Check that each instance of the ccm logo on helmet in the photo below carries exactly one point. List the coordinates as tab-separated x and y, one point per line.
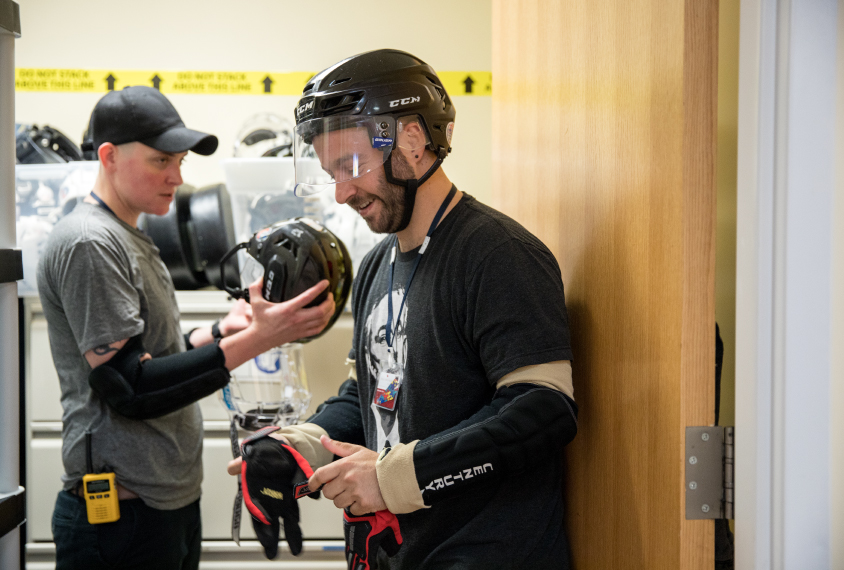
306	107
405	101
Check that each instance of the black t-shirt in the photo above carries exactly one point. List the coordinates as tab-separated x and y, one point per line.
486	299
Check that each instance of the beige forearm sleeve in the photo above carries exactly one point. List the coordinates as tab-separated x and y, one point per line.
305	439
395	470
555	375
397	479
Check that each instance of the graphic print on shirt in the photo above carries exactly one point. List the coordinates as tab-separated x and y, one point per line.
377	361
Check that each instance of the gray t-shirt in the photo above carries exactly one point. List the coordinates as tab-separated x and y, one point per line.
101	281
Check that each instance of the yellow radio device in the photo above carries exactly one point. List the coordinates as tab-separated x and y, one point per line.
100	492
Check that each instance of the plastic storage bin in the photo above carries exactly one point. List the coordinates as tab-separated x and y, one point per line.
261	190
43	194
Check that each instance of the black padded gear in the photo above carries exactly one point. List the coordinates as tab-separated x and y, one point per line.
296	254
524	427
161	385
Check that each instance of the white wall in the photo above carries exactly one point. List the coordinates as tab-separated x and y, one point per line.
253	35
837	385
788	439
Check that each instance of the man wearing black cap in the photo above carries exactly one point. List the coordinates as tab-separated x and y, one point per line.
125	374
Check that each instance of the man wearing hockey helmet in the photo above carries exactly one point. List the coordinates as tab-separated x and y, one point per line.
460	398
125	374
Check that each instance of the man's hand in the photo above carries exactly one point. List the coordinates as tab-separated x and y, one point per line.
351	482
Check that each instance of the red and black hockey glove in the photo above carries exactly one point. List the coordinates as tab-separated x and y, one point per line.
366	534
274	476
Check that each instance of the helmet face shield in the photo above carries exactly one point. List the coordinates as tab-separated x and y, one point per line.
345	146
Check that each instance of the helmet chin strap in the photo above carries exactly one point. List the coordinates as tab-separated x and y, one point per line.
411	185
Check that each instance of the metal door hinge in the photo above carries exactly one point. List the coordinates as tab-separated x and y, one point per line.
709	472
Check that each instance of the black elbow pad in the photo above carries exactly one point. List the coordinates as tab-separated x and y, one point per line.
524	427
159	386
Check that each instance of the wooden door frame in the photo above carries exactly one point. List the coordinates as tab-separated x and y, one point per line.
604	139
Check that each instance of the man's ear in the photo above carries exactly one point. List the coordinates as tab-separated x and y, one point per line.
412	137
107	155
412	143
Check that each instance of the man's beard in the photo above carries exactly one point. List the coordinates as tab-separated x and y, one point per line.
391	197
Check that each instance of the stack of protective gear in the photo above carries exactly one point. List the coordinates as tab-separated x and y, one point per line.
194	235
264	135
45	145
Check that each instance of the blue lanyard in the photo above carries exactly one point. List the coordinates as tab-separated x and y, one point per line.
389	336
103	204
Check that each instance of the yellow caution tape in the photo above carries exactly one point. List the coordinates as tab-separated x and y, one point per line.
457	83
469	83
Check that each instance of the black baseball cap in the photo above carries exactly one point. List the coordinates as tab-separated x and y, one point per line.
142	114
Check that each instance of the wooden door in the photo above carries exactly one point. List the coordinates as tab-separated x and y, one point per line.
604	130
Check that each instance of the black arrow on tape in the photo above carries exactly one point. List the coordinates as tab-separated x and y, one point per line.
110	81
156	81
468	82
268	84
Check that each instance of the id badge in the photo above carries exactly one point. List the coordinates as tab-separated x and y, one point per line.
387	392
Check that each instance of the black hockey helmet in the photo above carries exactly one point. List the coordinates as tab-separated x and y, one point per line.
45	145
295	255
373	96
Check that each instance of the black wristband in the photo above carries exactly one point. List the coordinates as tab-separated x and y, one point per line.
188	344
215	331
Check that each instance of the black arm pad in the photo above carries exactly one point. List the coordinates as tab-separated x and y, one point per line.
524	427
340	415
159	386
